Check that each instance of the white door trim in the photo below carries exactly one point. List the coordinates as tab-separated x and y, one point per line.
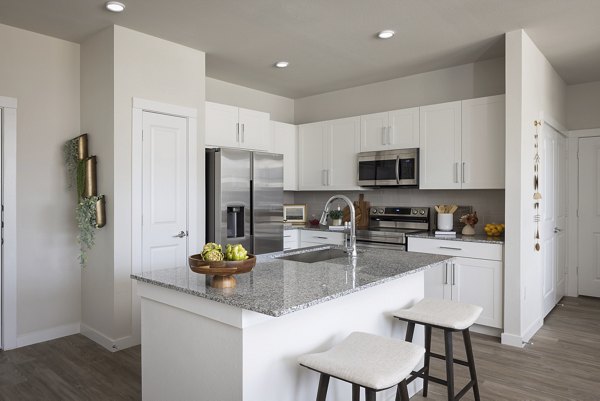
138	108
9	191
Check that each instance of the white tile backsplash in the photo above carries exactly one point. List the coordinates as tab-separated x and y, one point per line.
489	203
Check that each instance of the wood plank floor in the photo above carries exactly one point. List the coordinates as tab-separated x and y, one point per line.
562	364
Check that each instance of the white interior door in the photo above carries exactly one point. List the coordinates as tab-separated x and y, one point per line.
561	218
553	210
547	187
164	191
589	217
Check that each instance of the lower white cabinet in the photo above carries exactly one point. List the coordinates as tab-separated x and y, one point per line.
313	237
291	239
467	279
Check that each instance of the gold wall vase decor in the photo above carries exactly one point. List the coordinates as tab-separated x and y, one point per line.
91	207
537	196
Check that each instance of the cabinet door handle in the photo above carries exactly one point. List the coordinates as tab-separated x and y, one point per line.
237	132
389	133
327	175
463	172
451	248
323	182
287	236
456	172
445	273
383	136
243	129
317	236
453	274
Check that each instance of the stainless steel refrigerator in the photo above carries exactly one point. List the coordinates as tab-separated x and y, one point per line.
244	199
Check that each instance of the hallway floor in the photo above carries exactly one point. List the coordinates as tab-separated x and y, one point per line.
563	363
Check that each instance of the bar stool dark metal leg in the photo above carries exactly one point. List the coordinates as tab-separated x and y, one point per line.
471	360
323	384
370	394
449	364
427	357
355	392
402	391
410	331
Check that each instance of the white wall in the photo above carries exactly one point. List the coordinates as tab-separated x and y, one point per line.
97	119
43	74
154	69
467	81
583	106
533	91
281	108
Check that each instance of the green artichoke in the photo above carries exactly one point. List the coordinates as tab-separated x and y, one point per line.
235	252
214	255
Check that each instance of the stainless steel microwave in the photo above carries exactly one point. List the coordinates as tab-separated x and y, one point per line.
397	168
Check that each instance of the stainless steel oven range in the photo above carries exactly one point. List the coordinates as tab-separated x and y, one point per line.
388	226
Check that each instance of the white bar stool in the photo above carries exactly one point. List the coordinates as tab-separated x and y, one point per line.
449	316
365	360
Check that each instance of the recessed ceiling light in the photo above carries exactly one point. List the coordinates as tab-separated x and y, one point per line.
115	6
386	34
282	64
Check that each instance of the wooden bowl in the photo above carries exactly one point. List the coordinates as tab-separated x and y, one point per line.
223	270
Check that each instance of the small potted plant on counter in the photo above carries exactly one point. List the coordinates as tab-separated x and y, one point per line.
469	220
336	217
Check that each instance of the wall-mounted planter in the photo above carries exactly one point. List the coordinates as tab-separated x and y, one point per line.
101	211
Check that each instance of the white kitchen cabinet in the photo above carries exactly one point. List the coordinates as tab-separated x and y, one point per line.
327	154
291	239
439	154
314	237
285	142
474	276
462	144
312	156
235	127
398	129
483	142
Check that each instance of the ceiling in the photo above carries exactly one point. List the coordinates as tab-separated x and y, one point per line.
331	44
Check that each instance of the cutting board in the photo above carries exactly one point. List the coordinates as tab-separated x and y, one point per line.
361	207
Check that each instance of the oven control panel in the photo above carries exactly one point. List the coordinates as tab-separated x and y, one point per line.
399	211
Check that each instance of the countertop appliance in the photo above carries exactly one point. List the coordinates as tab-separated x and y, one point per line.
244	199
397	168
388	226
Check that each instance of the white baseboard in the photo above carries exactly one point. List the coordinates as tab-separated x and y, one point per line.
531	330
52	333
488	331
512	340
110	344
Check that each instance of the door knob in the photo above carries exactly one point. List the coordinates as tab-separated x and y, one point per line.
180	235
557	230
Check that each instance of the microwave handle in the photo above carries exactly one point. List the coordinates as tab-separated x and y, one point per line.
398	169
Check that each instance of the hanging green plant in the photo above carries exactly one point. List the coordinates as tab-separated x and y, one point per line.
86	222
70	153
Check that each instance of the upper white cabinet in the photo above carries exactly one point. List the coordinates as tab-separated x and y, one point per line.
439	153
285	141
483	142
390	130
327	157
462	144
232	127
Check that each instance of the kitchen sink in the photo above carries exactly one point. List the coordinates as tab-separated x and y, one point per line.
316	256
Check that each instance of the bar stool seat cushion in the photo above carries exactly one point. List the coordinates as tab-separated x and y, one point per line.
442	313
368	360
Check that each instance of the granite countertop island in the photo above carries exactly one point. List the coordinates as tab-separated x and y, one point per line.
276	287
242	344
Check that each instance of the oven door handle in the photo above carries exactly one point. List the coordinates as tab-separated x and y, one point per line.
397	169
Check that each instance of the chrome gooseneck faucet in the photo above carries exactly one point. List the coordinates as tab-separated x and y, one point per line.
323	221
